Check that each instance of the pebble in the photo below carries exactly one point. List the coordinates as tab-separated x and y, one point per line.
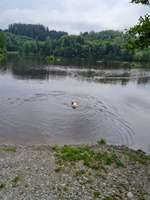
130	195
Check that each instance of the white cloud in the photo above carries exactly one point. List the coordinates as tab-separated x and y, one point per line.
72	15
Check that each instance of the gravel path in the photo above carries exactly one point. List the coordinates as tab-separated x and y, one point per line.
38	173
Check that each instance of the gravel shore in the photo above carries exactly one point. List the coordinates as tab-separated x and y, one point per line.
45	172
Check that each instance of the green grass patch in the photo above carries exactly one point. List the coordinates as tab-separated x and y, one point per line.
102	141
136	156
70	153
15	180
96	194
119	163
92	159
8	148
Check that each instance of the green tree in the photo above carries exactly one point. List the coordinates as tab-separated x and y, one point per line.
2	47
140	33
30	47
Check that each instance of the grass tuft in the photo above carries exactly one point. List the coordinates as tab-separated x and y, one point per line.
102	141
96	194
8	148
15	180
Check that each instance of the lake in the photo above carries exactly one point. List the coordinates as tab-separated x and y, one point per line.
35	104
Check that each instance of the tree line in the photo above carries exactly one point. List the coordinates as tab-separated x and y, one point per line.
35	31
108	44
114	45
30	39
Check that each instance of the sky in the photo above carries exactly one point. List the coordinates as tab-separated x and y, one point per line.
73	16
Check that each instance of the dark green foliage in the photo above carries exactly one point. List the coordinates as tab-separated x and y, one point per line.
104	45
102	141
146	2
143	55
140	33
2	47
35	31
103	35
2	185
23	44
119	163
96	194
2	55
52	59
2	41
55	35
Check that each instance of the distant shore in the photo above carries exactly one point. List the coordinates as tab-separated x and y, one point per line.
74	172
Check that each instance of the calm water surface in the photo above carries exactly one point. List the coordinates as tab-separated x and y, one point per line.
35	105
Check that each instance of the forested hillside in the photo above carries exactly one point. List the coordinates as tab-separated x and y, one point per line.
35	31
36	39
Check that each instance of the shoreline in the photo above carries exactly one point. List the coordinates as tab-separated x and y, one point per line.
53	172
